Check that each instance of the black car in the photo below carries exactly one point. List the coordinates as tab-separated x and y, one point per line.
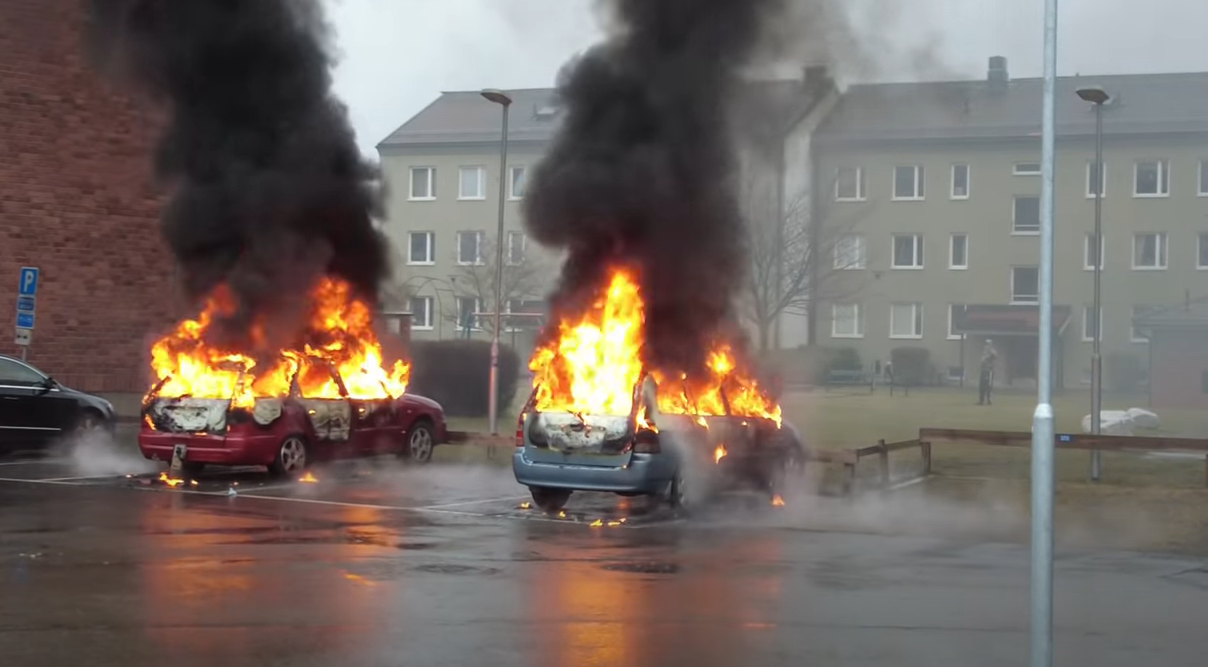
35	409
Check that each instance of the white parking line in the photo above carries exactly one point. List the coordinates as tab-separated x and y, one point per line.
40	481
909	483
33	462
473	502
73	479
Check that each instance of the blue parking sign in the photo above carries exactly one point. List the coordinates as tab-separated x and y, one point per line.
25	320
28	285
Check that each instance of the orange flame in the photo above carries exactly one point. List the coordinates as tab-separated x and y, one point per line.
170	481
777	501
719	453
308	478
339	333
594	363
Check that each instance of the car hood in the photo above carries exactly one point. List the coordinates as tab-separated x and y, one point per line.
422	401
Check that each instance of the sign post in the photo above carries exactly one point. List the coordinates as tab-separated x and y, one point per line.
27	302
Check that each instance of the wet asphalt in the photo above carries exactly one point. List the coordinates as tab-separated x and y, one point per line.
374	564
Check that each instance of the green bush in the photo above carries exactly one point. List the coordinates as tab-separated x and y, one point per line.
456	374
912	366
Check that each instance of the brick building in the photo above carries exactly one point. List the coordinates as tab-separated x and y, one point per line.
76	200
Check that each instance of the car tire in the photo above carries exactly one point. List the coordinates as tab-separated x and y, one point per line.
419	442
293	456
90	421
549	500
677	492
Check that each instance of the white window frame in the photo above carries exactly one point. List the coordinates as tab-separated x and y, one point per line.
859	320
523	169
968	182
859	171
431	196
1016	169
482	183
951	311
1163	252
920	175
1090	165
508	258
481	260
952	265
1086	314
431	238
918	255
1016	301
1086	251
1200	190
1163	178
476	322
861	260
1015	230
429	316
1201	246
1132	328
916	323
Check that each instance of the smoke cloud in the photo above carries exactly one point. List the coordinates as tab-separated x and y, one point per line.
642	171
269	190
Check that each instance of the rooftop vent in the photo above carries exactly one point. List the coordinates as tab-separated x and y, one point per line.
546	111
998	76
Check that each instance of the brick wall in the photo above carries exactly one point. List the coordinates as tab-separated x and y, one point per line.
76	200
1178	363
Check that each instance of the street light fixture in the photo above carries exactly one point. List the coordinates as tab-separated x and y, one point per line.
502	99
1097	96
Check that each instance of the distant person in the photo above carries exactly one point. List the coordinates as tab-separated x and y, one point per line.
985	382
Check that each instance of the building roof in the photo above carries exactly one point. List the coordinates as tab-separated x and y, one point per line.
1141	104
465	117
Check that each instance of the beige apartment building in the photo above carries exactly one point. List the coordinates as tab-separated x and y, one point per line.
932	194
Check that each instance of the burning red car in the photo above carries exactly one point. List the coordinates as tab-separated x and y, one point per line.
327	396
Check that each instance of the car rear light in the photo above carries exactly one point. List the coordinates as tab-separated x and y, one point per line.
646	442
520	430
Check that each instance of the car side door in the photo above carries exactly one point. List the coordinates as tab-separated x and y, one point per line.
33	412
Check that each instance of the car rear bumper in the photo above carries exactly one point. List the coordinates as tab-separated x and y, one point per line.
645	473
232	450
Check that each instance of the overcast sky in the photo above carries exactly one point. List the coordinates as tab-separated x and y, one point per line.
396	56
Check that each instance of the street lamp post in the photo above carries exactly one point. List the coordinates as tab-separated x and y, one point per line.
501	98
1098	97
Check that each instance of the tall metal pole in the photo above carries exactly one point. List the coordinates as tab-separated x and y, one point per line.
493	409
1042	419
1096	353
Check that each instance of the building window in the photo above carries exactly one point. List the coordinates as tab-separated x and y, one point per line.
1026	215
472	183
908	183
421	312
907	251
956	315
849	252
522	314
423	183
958	251
1134	334
846	321
1027	169
1025	284
1089	327
960	181
1203	189
849	184
517	243
469	248
468	308
1201	261
1088	252
517	181
1150	251
906	320
421	248
1091	180
1151	178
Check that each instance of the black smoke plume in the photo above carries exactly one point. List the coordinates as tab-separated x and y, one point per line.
642	171
269	190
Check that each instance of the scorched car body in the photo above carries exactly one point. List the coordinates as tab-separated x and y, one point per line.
286	434
668	457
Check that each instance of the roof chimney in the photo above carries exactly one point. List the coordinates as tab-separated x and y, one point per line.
998	77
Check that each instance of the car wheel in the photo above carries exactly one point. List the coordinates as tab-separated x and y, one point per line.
292	457
420	443
549	500
90	422
677	495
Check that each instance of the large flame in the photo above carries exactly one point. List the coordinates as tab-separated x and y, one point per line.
593	364
339	333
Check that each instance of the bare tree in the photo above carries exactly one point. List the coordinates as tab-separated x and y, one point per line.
811	259
526	276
